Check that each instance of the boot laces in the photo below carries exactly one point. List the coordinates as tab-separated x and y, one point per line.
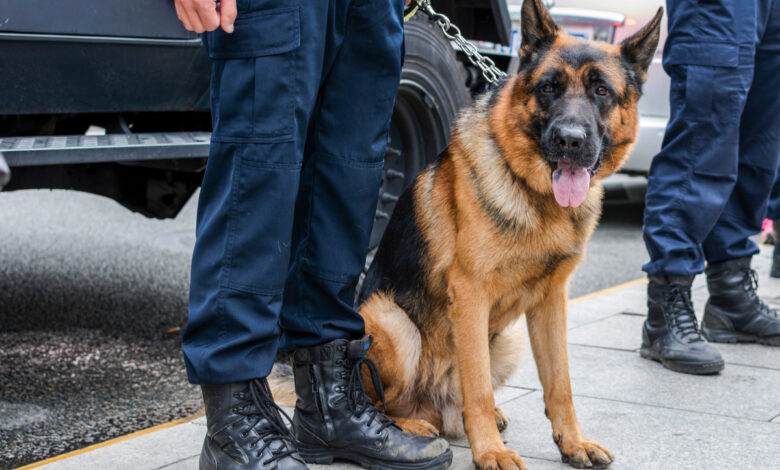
682	313
261	407
358	401
751	287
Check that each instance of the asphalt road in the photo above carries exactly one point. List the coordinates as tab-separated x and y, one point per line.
91	299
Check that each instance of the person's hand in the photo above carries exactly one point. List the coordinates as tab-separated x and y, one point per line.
407	2
205	15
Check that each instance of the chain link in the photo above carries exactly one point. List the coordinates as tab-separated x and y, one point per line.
485	65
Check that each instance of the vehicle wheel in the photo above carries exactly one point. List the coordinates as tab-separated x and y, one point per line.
433	89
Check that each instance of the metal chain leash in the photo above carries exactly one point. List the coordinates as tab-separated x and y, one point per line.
490	71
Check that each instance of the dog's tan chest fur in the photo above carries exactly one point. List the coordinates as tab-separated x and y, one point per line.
515	261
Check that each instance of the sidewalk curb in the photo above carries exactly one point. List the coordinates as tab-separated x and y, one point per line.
110	442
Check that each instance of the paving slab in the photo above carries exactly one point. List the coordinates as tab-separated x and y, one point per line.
642	437
739	391
158	449
647	437
623	332
598	306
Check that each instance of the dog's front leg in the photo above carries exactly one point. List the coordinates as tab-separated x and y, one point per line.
469	314
547	331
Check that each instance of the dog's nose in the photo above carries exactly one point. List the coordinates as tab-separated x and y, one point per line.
570	138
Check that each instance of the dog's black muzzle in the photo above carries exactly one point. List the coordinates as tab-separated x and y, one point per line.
573	142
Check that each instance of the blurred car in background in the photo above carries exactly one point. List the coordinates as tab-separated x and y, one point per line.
111	97
613	21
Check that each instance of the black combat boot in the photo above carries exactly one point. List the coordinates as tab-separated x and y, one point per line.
335	419
246	430
671	335
735	312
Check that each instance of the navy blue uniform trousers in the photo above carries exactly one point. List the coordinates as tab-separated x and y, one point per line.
709	185
302	93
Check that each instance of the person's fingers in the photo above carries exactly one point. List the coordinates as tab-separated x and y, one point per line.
190	10
197	26
190	16
227	14
178	10
207	14
185	20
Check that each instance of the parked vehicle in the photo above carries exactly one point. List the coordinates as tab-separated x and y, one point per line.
111	97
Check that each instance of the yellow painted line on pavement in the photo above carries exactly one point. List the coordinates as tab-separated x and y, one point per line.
111	442
608	290
176	422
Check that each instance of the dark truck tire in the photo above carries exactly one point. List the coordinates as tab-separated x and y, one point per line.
433	90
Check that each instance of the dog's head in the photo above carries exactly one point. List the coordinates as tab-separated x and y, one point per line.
579	100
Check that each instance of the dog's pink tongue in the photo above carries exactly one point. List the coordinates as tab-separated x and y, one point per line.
570	184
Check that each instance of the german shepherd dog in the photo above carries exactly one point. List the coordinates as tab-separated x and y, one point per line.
493	230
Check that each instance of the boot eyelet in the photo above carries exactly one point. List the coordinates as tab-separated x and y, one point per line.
244	434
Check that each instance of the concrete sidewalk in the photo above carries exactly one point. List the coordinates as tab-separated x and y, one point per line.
649	417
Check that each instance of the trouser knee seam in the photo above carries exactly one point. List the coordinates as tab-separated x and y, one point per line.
352	162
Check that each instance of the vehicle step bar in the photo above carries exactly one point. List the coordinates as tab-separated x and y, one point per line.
71	149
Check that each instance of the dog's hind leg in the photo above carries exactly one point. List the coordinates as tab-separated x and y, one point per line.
395	351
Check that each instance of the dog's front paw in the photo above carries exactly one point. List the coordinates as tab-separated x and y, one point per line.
584	454
501	420
499	459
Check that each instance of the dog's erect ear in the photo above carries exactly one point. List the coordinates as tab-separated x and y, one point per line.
639	48
536	27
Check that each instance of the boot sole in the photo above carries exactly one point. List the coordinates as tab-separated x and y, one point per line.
694	368
725	336
327	456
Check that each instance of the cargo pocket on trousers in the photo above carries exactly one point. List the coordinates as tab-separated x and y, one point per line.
706	78
251	89
260	227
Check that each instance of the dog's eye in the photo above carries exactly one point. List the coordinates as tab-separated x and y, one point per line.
547	88
601	90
